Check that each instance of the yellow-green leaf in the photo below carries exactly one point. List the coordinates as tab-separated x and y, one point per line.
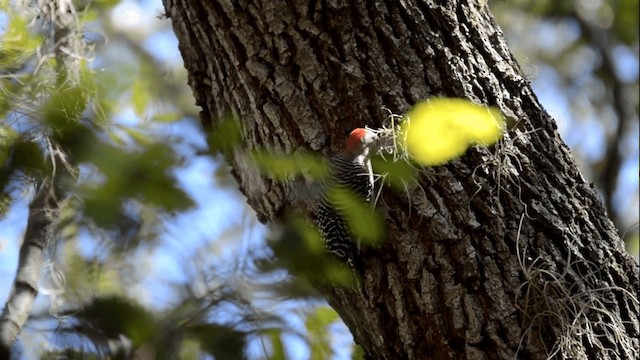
139	97
277	348
167	117
319	339
440	130
398	174
139	136
364	222
17	43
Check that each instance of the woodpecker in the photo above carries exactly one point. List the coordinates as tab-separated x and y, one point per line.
351	171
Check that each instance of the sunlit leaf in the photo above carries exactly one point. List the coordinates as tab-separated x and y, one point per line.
325	316
440	130
87	15
17	43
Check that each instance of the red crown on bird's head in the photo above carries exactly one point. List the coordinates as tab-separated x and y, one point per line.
355	139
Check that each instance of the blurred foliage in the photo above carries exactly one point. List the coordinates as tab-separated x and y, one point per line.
297	244
112	316
397	174
275	337
283	167
364	222
18	43
226	136
219	341
317	325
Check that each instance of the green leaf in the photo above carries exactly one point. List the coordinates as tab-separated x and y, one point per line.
27	156
277	348
286	166
139	97
166	117
63	109
86	277
18	43
225	136
139	136
7	138
318	335
106	4
626	20
365	224
358	353
114	315
144	175
299	248
222	342
398	174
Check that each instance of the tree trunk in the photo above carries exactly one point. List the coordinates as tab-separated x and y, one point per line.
504	253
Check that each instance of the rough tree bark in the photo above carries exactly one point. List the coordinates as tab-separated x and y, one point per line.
506	252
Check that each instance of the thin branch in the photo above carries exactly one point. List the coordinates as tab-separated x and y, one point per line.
25	285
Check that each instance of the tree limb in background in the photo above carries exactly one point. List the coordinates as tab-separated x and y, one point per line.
612	160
